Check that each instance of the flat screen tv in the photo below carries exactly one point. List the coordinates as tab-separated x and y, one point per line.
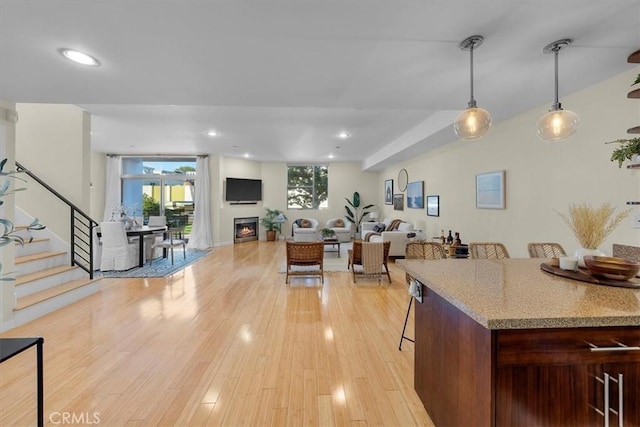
243	190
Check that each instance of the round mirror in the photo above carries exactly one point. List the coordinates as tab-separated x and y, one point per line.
403	179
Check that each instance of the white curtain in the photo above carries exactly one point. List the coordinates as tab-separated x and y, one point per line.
201	233
112	197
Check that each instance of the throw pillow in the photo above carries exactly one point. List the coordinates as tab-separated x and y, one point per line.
305	223
338	223
378	227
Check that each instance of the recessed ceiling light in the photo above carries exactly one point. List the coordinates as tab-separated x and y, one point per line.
212	133
246	155
343	135
79	57
331	156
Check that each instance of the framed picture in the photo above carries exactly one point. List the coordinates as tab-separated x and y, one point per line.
433	205
415	195
388	192
490	190
398	202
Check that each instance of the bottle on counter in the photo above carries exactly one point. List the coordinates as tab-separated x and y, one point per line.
457	240
449	238
443	239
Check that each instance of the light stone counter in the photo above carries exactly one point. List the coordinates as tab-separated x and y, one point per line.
516	294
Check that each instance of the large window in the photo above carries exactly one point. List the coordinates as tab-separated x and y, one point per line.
307	186
159	186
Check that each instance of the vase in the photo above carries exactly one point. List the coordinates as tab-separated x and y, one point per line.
581	252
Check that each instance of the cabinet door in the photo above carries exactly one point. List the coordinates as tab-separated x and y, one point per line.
549	395
629	405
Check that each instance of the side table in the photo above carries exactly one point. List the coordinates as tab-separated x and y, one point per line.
10	347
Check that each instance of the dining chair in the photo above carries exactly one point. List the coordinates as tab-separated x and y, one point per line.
425	251
545	250
370	257
488	250
305	254
156	237
117	252
174	240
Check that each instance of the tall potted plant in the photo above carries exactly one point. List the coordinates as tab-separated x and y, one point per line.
272	222
355	214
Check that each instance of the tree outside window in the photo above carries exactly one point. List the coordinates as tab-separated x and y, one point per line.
307	186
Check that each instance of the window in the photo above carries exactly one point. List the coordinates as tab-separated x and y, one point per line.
307	186
159	186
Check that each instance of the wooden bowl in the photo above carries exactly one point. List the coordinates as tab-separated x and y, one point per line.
611	268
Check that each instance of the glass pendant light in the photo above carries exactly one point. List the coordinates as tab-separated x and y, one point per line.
557	124
473	123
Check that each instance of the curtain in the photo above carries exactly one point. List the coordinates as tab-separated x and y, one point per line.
201	233
112	197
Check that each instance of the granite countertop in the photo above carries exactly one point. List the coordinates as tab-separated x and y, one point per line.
516	294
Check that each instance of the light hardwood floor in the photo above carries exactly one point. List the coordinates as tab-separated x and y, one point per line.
225	342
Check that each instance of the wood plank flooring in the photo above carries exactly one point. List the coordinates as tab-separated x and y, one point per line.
224	342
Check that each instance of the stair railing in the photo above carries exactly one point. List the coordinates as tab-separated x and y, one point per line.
81	228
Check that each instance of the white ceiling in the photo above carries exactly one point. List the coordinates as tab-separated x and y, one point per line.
278	79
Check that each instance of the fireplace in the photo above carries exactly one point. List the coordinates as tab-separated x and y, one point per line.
245	229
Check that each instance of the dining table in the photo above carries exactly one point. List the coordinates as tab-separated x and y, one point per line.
140	232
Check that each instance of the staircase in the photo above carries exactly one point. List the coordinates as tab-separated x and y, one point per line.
45	279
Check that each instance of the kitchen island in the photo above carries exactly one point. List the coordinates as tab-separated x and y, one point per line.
500	342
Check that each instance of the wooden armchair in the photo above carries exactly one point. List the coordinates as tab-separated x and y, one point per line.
305	254
488	250
545	250
358	257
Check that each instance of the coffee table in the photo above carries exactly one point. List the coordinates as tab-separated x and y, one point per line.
333	242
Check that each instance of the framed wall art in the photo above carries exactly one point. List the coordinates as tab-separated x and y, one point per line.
490	190
398	202
433	205
388	192
415	195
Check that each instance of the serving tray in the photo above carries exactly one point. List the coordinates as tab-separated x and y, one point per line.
585	276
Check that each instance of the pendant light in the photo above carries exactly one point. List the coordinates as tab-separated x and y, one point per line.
557	124
473	123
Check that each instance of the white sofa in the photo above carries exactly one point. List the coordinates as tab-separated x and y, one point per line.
343	233
305	234
398	238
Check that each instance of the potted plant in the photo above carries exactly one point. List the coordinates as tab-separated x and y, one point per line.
354	213
628	149
591	226
272	222
327	233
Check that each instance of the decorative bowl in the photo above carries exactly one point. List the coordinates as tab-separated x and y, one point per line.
611	268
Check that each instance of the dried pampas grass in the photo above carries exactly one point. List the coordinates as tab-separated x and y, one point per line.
592	225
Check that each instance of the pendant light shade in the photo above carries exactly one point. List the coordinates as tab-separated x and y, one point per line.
557	124
473	123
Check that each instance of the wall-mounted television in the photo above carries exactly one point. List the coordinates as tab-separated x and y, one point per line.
243	190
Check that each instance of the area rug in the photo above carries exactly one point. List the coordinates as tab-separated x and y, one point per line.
161	266
331	260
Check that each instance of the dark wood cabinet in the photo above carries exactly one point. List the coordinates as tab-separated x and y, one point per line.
466	374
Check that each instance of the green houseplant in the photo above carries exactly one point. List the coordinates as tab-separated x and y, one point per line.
355	214
272	222
627	149
9	234
327	233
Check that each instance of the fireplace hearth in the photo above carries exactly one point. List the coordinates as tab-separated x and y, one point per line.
245	229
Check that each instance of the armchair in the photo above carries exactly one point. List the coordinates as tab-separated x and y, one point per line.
305	230
341	227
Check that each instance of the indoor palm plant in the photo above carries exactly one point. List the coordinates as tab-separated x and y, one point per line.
355	214
591	226
272	222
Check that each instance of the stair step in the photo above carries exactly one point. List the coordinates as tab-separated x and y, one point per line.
38	297
30	277
38	256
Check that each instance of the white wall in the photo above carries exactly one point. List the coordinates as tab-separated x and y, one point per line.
344	179
7	253
53	141
541	177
